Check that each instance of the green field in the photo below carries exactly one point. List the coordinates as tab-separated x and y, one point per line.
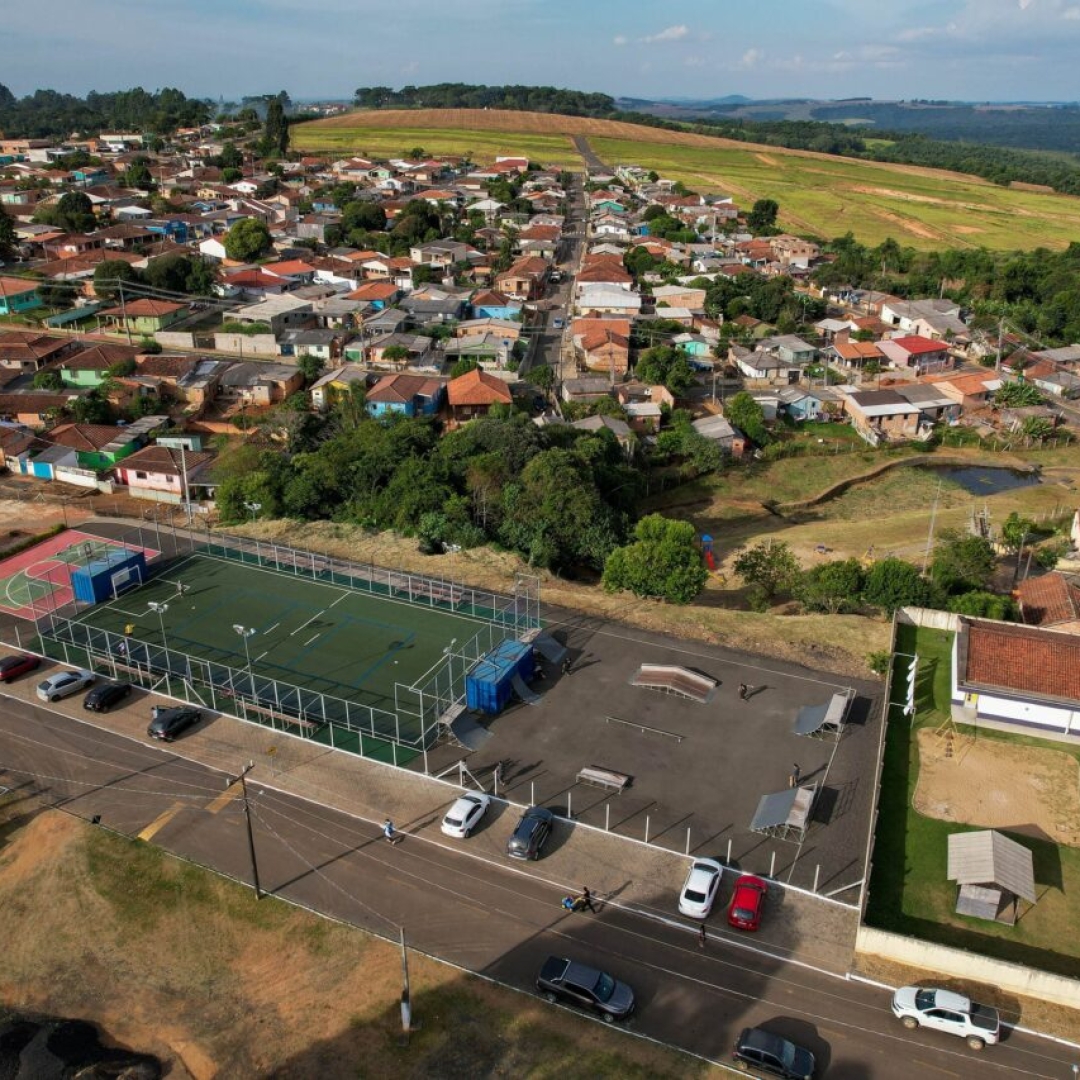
831	196
480	146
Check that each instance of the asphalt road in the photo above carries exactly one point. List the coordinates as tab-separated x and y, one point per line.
493	918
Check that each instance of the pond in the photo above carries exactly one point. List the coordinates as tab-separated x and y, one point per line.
986	479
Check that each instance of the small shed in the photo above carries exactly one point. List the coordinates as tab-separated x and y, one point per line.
993	874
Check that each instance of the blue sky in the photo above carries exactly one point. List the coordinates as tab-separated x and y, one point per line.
969	49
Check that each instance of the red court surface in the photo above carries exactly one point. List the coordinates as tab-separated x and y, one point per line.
38	580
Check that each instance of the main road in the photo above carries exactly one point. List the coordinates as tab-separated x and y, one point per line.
489	917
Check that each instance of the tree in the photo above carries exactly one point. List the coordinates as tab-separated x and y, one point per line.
247	240
396	354
464	366
762	218
543	376
662	562
48	379
138	175
893	583
1015	531
9	241
311	367
833	587
667	366
109	274
74	212
746	414
276	133
768	568
984	605
92	408
962	562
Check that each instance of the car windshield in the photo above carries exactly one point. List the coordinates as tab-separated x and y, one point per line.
743	913
693	895
451	820
604	988
787	1054
924	999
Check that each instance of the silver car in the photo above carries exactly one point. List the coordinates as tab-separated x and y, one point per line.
64	683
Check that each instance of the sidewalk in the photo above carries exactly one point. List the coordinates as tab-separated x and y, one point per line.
632	875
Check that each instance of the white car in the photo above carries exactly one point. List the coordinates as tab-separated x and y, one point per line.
464	815
700	888
64	683
942	1010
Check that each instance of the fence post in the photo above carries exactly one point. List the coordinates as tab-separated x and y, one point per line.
688	840
817	874
772	865
646	828
728	859
569	805
607	817
532	792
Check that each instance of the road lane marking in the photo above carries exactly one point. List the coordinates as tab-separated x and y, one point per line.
227	796
160	822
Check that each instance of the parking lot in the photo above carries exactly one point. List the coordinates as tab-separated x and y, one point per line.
697	770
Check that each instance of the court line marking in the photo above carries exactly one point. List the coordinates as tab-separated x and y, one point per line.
343	596
310	640
270	630
229	795
160	821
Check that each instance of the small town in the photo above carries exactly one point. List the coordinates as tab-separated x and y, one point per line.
485	592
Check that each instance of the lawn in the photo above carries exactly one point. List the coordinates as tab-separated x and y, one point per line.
908	890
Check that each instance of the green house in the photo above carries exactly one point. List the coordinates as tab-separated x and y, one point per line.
18	295
145	317
89	368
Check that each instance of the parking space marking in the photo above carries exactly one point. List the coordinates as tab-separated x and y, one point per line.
160	822
229	795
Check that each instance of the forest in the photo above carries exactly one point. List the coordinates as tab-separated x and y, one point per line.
46	114
544	99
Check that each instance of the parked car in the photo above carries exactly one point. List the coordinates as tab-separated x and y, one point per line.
747	902
700	888
464	815
765	1052
166	724
64	683
104	696
531	833
557	323
11	667
942	1010
587	987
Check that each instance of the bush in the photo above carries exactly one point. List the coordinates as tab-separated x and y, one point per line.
879	662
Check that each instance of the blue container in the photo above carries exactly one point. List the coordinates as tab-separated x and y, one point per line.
104	579
489	686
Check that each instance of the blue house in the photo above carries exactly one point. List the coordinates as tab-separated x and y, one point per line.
698	350
409	395
491	304
170	228
92	174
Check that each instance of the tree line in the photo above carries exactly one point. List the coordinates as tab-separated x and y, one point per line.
546	99
47	113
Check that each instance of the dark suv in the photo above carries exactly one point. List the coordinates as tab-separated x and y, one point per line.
105	695
773	1054
166	724
579	984
531	833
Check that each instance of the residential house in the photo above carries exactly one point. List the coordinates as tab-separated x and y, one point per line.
329	387
293	271
677	296
934	405
193	380
969	391
407	395
260	383
644	417
883	414
602	271
323	344
599	300
524	280
90	367
719	430
429	310
145	317
488	349
379	294
585	390
29	350
853	356
503	328
254	283
905	315
34	408
419	348
604	348
917	355
340	313
1053	379
1050	600
792	252
474	394
279	313
163	473
619	428
790	348
439	254
764	366
491	304
1016	678
101	446
18	295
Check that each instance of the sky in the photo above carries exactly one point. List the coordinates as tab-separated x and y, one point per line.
958	49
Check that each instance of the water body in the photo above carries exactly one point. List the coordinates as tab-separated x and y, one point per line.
986	479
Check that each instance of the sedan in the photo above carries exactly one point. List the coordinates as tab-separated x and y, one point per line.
104	696
11	667
585	986
747	902
168	723
64	683
700	888
531	833
764	1052
464	815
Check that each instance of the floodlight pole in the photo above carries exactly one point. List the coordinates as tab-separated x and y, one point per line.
247	820
160	608
245	632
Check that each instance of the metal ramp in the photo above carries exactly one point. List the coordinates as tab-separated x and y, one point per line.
547	646
460	728
522	690
785	814
817	721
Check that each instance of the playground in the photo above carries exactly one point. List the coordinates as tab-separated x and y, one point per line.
38	580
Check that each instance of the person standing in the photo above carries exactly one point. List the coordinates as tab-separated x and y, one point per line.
744	691
586	899
701	938
390	834
793	779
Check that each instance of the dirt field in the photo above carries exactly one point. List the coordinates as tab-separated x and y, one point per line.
171	960
1000	786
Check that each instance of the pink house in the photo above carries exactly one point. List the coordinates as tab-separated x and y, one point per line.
156	472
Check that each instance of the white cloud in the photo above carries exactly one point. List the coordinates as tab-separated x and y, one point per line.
670	33
619	39
1072	14
751	58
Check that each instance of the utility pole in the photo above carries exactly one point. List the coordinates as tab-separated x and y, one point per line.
123	311
406	1002
247	819
1001	334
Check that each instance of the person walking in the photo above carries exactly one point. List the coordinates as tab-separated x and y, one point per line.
586	899
701	937
793	779
744	691
390	834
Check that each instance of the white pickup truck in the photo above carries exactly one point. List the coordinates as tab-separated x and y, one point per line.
942	1010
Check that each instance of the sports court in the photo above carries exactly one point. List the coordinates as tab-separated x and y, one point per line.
39	579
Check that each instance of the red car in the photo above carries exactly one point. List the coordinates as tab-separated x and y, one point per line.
747	903
11	667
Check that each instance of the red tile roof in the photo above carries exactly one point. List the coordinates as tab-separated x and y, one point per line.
84	436
1020	659
915	345
144	308
402	388
1052	598
165	459
374	290
477	387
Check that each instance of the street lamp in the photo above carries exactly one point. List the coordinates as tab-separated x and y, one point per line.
254	508
245	632
161	608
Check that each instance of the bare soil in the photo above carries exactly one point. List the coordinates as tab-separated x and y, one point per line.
1025	789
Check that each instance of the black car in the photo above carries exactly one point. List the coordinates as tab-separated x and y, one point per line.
764	1052
531	833
11	667
168	723
105	695
578	984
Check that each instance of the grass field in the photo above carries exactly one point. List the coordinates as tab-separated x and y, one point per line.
909	893
818	194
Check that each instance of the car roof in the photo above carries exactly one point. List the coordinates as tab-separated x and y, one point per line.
762	1040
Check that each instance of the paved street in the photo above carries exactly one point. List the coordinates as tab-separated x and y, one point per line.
465	903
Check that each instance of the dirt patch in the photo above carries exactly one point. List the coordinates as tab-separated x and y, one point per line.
767	159
1025	789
